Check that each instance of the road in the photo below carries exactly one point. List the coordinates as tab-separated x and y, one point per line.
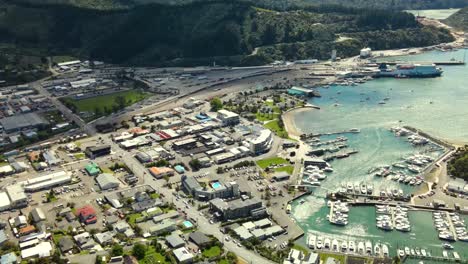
203	223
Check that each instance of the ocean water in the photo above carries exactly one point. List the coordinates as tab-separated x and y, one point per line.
409	104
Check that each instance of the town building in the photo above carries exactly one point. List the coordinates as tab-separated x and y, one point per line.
261	141
160	172
214	189
183	255
107	181
228	118
97	151
23	121
237	208
87	214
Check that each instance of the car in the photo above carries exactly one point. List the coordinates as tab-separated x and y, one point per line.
211	221
227	238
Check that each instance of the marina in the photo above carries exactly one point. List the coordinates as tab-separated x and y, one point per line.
387	160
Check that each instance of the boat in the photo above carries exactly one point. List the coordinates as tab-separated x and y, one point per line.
311	241
363	188
351	247
401	253
407	251
385	250
361	249
368	247
413	253
319	244
327	243
447	246
344	246
423	252
377	249
410	71
418	252
335	245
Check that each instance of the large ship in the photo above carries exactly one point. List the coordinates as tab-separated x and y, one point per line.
410	71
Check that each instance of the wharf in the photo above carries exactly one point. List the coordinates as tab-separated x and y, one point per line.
312	135
339	155
330	215
446	63
452	228
436	258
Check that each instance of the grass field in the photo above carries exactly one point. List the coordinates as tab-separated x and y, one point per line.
267	162
275	127
325	256
212	252
152	256
107	101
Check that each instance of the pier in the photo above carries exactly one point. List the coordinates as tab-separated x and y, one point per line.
312	135
436	258
451	227
445	63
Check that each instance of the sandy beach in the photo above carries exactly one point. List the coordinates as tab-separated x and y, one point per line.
290	125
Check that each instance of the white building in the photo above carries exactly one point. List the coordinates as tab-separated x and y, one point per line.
365	53
41	250
183	255
262	142
228	118
17	195
46	181
4	201
83	83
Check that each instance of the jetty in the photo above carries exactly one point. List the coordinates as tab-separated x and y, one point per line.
445	63
312	135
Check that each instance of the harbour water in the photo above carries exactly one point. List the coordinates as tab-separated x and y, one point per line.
437	106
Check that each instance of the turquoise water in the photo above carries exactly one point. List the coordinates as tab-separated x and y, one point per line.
409	104
188	224
216	185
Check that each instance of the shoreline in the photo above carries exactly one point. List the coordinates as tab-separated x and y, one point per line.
289	123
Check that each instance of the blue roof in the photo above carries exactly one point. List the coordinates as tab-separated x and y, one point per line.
179	168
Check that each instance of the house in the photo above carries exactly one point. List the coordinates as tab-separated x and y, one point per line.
84	241
66	244
87	214
26	230
175	241
183	255
105	238
165	226
160	172
41	250
200	239
121	227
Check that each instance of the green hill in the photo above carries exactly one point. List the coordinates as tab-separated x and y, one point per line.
459	19
199	33
278	4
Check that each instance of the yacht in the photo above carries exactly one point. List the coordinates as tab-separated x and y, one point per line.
385	250
401	253
423	252
447	246
368	247
377	249
363	188
311	241
344	246
418	252
351	246
335	245
412	252
326	244
319	245
407	251
361	249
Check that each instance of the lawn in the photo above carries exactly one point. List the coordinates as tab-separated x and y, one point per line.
268	162
212	252
152	257
266	117
107	101
288	169
59	59
275	127
132	218
79	155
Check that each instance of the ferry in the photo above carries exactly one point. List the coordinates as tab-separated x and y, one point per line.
410	71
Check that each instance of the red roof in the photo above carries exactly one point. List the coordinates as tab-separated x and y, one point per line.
91	220
86	212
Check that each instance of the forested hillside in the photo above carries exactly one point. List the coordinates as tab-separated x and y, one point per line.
459	19
278	4
200	33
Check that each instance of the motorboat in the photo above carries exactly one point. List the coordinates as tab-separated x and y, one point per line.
407	251
351	247
413	253
447	246
361	249
335	245
385	250
319	244
311	241
368	247
377	249
423	252
344	246
401	253
327	243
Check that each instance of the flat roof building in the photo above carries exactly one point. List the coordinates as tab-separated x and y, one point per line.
238	208
97	151
183	255
228	118
23	121
107	181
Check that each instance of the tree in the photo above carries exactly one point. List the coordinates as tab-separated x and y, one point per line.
216	104
117	250
120	102
139	251
195	164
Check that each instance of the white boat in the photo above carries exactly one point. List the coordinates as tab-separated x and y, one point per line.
377	250
319	244
335	245
352	247
401	253
385	250
447	246
368	247
361	249
327	243
344	246
412	252
407	251
423	252
311	241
